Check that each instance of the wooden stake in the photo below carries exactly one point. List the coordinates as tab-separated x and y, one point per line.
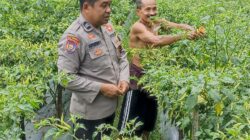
195	123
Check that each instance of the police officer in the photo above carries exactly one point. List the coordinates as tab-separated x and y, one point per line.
90	51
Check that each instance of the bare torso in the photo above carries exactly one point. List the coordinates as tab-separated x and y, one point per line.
136	43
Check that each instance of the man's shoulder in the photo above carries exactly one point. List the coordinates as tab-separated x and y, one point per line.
72	30
138	27
74	27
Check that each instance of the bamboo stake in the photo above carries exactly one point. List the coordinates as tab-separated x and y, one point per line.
195	123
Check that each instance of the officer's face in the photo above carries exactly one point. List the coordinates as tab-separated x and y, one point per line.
100	12
147	10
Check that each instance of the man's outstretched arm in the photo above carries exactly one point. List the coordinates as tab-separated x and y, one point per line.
167	24
158	40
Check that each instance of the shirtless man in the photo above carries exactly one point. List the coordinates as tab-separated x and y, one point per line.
144	34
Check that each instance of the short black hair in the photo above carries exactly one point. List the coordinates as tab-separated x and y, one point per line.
91	2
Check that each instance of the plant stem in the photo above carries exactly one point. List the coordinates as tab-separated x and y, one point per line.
195	123
23	128
215	36
59	101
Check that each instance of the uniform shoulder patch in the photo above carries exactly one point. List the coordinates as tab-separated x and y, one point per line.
91	36
72	43
108	27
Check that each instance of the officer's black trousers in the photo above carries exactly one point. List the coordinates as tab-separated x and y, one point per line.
90	126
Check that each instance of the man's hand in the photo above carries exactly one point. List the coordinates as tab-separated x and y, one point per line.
187	27
195	34
110	90
192	35
123	86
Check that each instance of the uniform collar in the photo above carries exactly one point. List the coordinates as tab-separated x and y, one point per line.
85	24
88	27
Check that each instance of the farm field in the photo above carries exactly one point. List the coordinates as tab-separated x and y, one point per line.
202	86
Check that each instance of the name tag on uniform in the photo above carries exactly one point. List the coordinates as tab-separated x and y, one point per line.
96	49
94	44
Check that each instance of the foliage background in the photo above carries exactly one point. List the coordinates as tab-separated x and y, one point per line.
209	77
